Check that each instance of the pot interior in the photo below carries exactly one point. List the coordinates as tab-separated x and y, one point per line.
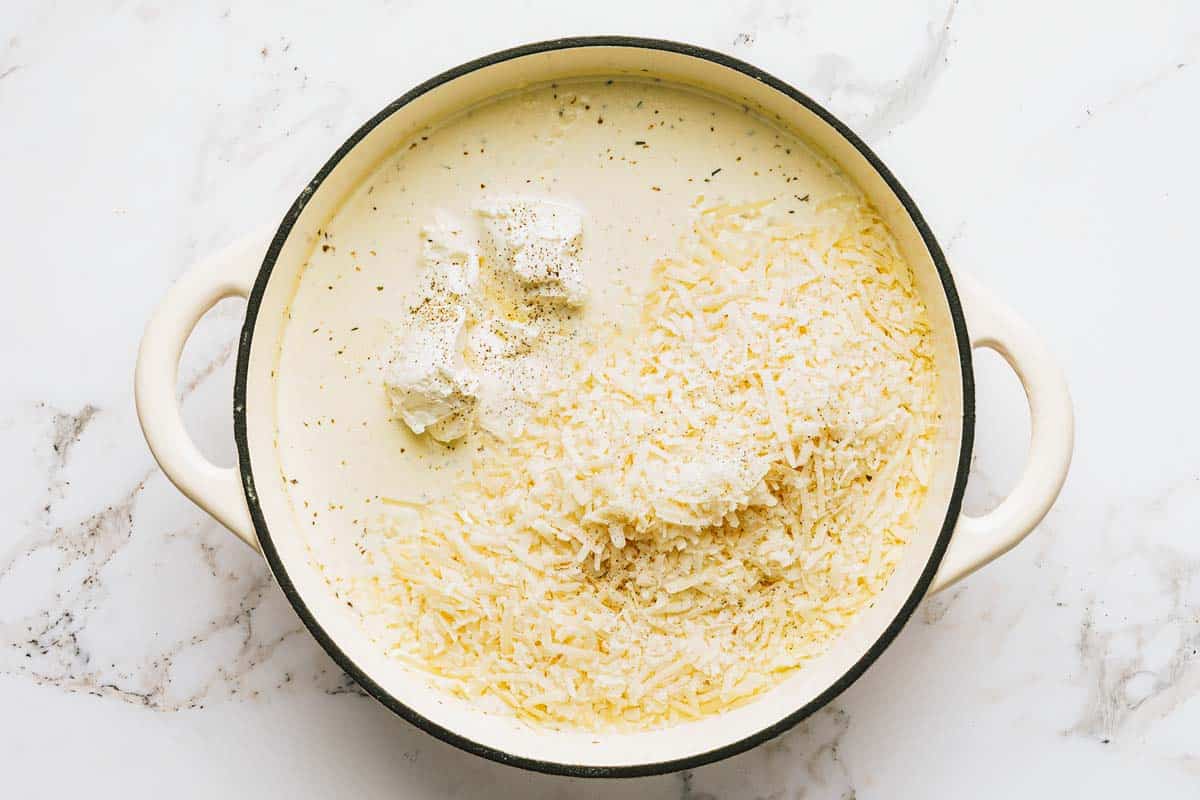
285	531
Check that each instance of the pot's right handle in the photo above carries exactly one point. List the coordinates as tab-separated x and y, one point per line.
979	540
218	490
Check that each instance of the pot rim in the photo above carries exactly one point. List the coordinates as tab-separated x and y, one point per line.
459	740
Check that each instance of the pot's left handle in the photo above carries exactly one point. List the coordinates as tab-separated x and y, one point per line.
218	490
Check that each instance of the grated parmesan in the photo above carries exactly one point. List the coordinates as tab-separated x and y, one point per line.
696	508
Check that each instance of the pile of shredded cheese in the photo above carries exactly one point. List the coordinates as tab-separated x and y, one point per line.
695	508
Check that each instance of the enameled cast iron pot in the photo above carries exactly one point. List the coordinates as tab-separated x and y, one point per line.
250	499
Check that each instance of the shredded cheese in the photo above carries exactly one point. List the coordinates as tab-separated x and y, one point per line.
696	508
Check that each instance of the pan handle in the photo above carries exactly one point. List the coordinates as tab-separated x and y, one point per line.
218	490
979	540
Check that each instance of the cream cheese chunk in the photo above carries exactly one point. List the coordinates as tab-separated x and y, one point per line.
541	242
427	382
450	258
459	361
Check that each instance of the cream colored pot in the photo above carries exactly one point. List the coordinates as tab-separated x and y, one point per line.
251	500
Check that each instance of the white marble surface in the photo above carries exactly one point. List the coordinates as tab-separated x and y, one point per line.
144	651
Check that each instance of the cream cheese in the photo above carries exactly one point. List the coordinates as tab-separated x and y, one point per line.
426	379
450	260
461	358
541	242
427	382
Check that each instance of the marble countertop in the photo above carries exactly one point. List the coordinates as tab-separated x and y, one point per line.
1052	146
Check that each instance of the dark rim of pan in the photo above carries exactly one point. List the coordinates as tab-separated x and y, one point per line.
457	739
